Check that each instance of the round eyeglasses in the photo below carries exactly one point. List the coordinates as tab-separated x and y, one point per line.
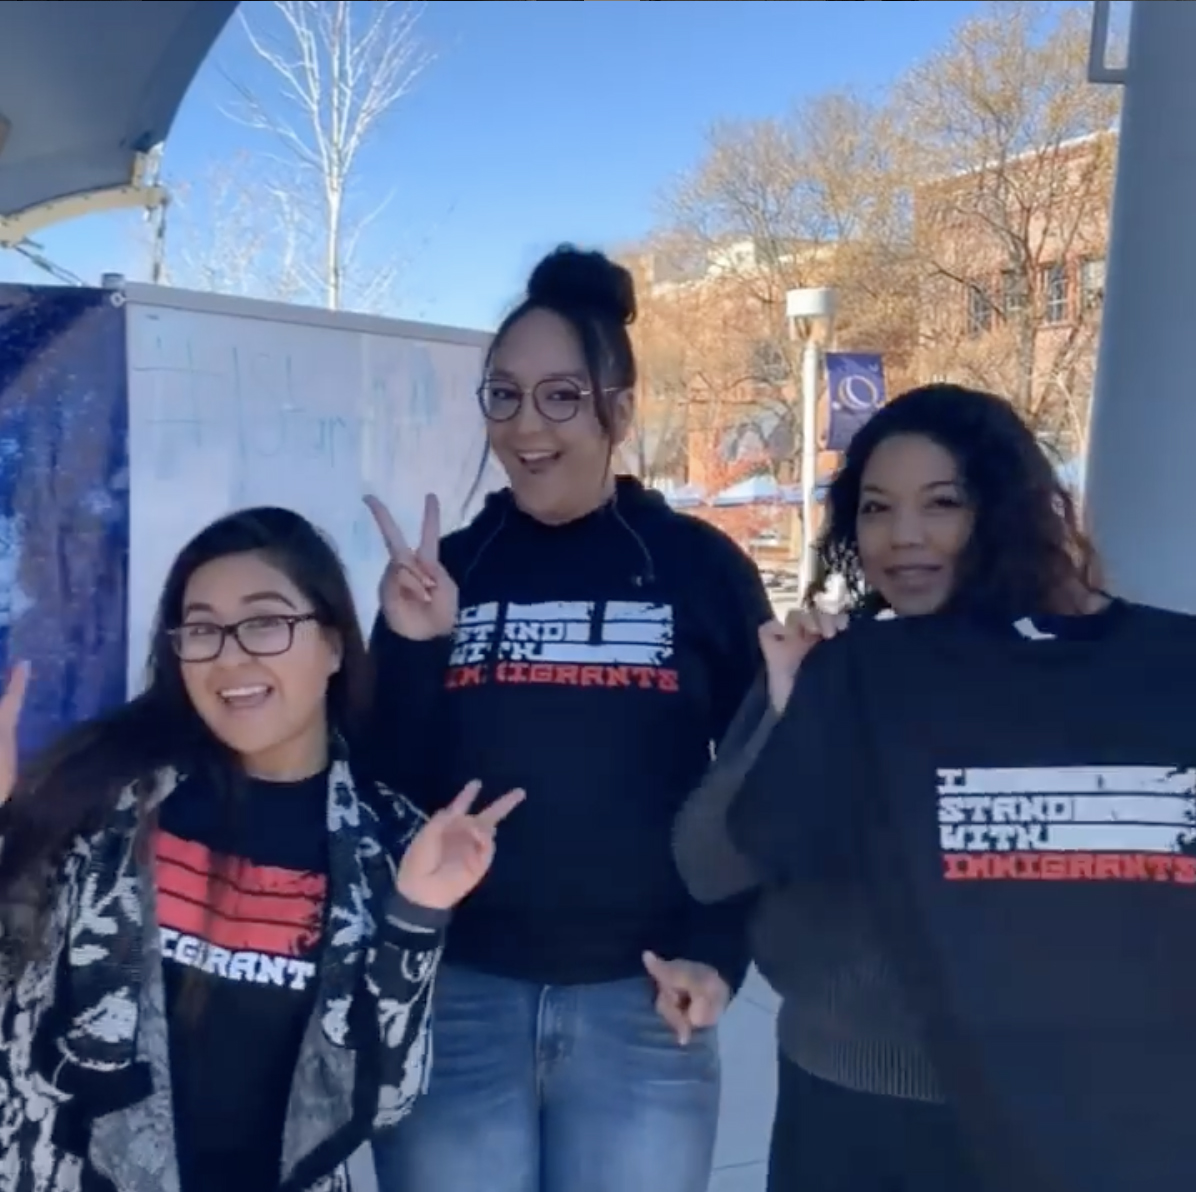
263	636
557	399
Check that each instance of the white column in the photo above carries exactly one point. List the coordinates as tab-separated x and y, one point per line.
810	359
1141	473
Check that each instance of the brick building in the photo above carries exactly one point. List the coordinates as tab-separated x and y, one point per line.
1012	257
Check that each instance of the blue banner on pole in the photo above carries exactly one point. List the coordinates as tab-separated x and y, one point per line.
64	502
856	384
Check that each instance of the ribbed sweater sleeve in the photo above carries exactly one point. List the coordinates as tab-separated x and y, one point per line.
709	863
791	817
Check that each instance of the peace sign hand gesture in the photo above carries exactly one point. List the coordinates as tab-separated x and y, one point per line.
10	714
417	595
452	852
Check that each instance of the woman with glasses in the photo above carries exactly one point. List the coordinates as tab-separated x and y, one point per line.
217	936
586	642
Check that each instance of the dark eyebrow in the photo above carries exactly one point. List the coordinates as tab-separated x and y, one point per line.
268	596
876	489
198	606
578	378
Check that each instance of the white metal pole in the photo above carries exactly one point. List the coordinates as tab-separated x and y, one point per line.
1140	480
810	359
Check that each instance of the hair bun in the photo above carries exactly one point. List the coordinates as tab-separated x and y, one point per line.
572	279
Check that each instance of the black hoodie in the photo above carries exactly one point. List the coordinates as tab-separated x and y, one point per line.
593	665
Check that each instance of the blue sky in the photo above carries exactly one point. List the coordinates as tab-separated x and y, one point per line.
558	122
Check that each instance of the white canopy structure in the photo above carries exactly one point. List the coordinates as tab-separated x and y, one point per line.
87	90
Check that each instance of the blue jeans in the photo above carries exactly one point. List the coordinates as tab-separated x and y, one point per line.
535	1088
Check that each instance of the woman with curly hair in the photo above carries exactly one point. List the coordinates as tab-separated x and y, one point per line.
945	502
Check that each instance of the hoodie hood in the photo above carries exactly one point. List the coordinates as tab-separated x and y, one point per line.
630	502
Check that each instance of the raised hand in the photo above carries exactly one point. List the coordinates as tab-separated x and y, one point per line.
452	852
785	647
417	595
10	714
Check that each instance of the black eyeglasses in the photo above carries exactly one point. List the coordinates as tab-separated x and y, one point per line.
263	636
558	399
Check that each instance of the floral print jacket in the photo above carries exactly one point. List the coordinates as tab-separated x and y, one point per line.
84	1062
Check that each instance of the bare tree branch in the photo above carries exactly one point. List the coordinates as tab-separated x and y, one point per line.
815	199
340	69
1013	156
988	168
231	238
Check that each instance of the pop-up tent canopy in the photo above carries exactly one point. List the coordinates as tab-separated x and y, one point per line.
763	490
86	91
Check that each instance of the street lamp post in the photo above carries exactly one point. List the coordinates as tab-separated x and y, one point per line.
811	306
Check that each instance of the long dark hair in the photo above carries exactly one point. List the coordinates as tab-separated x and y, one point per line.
72	787
1027	553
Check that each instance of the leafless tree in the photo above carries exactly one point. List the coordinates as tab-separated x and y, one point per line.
340	70
234	231
1013	156
961	217
812	199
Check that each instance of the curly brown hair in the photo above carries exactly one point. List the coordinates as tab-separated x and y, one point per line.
1027	553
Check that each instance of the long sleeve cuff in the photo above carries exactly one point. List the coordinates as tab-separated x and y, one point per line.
719	938
409	680
409	670
417	928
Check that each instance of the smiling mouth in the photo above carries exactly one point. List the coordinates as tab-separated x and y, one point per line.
913	574
537	461
244	699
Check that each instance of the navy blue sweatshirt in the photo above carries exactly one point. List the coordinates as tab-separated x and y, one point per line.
593	665
1019	813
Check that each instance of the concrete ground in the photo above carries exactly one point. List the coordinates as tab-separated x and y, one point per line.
749	1087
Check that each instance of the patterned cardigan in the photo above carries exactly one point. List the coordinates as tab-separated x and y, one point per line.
84	1062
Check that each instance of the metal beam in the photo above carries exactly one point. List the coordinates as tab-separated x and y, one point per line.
1141	472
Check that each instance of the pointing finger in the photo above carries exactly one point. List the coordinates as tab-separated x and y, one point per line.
659	970
396	543
465	800
500	809
13	698
429	537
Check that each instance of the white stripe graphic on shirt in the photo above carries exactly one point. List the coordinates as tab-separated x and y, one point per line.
565	632
1063	809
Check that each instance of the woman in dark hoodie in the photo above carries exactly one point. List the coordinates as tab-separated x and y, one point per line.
945	500
585	637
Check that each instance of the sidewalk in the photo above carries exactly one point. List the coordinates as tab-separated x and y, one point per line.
749	1086
749	1089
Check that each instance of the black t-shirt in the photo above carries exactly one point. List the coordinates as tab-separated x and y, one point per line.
1021	809
241	902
